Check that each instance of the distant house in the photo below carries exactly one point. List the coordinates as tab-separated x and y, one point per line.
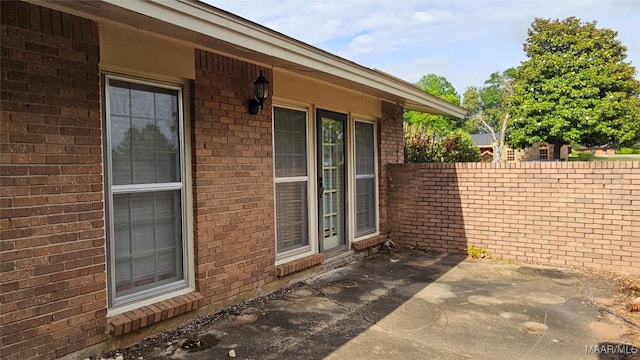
600	150
537	152
485	143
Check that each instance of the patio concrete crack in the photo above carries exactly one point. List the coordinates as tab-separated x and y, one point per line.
356	311
329	298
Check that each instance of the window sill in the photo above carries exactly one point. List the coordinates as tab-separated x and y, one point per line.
298	265
367	243
146	315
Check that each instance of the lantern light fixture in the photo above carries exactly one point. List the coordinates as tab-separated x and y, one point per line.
261	92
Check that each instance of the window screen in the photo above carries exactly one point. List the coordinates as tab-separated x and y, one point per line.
292	180
366	206
146	190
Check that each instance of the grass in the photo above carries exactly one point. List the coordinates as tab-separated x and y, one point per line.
634	157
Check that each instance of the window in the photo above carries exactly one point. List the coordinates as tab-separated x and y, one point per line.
291	179
365	187
144	173
511	155
543	152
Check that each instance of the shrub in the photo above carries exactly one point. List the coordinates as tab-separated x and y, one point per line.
478	253
459	147
585	156
625	151
422	146
637	151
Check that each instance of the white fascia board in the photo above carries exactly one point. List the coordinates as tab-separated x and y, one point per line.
211	22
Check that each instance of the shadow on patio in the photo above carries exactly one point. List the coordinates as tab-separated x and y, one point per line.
414	305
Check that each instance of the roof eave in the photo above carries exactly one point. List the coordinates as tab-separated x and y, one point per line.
253	38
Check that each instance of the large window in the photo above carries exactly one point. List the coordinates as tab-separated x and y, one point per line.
365	170
291	179
146	193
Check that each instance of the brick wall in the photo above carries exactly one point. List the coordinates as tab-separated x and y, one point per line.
52	259
390	151
232	179
584	214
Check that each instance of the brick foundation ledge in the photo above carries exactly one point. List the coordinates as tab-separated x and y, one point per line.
145	316
367	243
300	264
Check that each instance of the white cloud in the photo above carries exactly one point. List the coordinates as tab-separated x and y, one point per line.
463	40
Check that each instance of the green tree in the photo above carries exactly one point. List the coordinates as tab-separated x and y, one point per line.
438	86
488	109
574	87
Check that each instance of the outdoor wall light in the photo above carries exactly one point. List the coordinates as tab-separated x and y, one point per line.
261	92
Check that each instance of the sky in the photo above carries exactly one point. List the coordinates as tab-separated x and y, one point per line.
463	40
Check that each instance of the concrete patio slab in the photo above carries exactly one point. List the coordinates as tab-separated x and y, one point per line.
412	305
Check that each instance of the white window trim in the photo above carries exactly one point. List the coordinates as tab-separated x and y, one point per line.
355	177
312	211
312	200
167	291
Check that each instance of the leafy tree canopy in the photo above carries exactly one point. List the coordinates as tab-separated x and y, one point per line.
442	88
488	102
574	87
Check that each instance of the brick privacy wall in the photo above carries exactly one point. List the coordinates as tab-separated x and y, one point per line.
52	239
390	151
232	181
583	214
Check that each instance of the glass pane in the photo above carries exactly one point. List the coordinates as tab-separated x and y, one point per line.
122	239
166	137
166	106
144	270
327	155
143	207
334	171
364	148
168	166
291	215
143	135
290	142
167	265
365	206
165	233
143	236
144	167
120	134
119	99
142	102
365	179
144	123
148	240
327	204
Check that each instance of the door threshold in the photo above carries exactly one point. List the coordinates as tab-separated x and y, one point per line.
342	251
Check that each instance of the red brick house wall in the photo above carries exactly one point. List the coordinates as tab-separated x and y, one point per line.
52	297
584	214
232	166
391	151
